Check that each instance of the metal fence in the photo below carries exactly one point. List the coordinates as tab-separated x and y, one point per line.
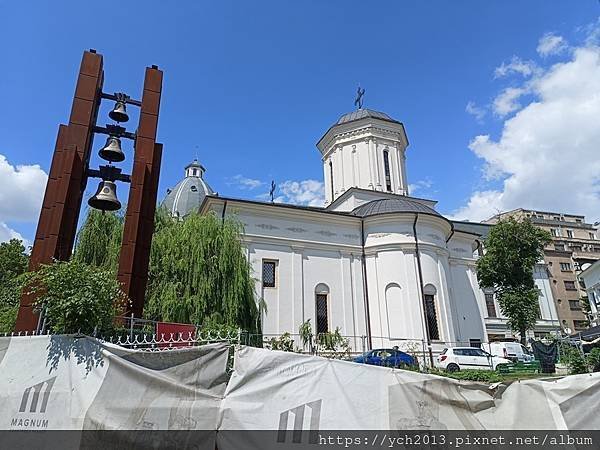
140	335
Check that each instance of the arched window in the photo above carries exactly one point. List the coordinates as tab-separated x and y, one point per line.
386	166
429	292
321	308
396	312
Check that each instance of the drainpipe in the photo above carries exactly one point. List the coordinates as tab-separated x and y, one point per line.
365	288
452	234
223	212
422	291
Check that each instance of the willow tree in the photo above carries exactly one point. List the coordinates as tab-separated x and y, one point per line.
199	273
99	240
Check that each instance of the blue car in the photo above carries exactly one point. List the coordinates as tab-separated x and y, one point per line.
386	357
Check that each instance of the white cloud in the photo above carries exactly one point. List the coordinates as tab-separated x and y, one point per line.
516	65
547	155
21	195
7	233
551	44
419	186
476	111
245	183
306	192
508	101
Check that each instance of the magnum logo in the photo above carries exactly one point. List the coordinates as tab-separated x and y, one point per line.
314	413
34	392
35	400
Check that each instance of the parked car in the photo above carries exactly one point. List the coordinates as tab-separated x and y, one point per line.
457	358
510	350
386	357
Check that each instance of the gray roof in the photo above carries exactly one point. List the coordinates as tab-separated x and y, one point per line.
392	205
364	113
187	195
481	229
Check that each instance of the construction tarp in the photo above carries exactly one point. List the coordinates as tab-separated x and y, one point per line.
272	390
70	383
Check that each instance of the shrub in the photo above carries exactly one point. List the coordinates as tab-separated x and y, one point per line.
573	359
284	343
593	360
486	376
76	297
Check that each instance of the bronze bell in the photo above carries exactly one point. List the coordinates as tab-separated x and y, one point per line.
112	150
119	112
105	198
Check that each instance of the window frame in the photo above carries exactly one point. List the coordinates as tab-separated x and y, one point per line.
577	307
565	267
274	263
387	171
490	302
325	297
431	315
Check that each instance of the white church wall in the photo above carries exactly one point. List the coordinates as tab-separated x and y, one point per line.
394	300
307	252
345	302
434	274
469	318
283	305
468	299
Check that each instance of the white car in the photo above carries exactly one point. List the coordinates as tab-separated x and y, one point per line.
509	350
457	358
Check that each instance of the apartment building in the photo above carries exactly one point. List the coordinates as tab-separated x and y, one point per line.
575	245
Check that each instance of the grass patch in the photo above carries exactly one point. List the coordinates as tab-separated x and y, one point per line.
487	376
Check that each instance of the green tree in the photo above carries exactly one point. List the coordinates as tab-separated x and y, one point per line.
13	264
99	240
76	297
199	273
511	251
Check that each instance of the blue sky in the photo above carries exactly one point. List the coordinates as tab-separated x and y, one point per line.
250	87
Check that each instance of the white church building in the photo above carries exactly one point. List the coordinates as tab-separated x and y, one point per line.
373	261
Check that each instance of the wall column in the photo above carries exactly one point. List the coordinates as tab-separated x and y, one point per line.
372	166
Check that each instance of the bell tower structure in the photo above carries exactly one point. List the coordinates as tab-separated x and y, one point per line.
364	149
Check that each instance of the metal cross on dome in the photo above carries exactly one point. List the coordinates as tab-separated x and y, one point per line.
272	191
358	102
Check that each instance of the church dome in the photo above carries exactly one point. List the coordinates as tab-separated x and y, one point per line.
188	194
392	205
362	114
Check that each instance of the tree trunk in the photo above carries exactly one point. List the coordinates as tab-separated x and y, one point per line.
523	337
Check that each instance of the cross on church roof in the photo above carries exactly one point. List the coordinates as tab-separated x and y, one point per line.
358	101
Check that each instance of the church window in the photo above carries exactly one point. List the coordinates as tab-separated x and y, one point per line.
268	273
386	166
431	313
321	308
322	325
331	176
194	189
489	304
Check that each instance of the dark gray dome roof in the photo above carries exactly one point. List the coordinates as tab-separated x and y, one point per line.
363	113
392	205
188	194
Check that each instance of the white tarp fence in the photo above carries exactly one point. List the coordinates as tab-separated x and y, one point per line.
68	383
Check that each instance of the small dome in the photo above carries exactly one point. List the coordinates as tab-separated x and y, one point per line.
392	205
364	113
189	193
